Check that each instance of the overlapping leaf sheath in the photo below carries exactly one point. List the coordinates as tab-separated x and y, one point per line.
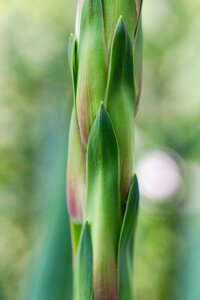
120	101
106	61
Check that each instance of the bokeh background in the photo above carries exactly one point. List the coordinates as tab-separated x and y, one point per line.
35	106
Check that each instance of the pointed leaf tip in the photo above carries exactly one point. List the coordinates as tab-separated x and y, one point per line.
121	22
120	97
126	243
83	268
91	61
72	49
103	202
102	129
102	113
120	29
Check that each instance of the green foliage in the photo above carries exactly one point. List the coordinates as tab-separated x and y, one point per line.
120	97
126	242
72	58
101	141
103	203
92	72
83	268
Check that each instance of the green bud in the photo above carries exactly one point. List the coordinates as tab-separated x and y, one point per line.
92	70
83	268
103	204
106	65
126	244
76	181
120	101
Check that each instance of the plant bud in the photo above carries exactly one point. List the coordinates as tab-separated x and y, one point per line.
106	65
92	70
120	101
103	204
76	169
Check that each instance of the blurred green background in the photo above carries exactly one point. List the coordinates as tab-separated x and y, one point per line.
35	106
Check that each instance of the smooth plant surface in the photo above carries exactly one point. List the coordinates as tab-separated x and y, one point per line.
105	57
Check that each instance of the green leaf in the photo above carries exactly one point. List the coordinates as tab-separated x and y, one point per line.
76	173
120	101
92	70
112	10
75	236
126	244
83	269
72	52
103	204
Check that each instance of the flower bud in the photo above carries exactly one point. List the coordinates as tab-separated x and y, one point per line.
76	181
120	101
106	64
103	204
92	70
